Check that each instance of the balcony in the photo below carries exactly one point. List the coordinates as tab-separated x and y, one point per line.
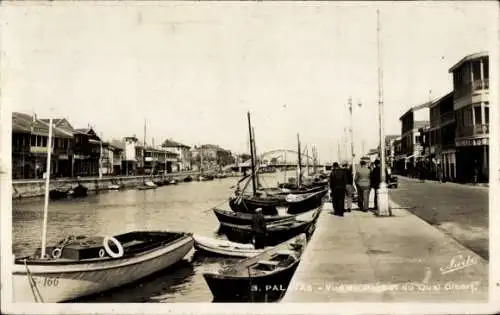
469	88
473	130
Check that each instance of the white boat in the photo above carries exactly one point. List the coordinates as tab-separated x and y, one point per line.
80	266
224	247
114	187
85	266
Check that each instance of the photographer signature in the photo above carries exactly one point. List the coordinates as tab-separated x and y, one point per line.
458	262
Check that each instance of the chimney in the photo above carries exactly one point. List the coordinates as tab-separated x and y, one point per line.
34	117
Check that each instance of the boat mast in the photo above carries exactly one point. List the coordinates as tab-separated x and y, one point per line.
47	183
144	154
307	161
299	181
257	162
252	154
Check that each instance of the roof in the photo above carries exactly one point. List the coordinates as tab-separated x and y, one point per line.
439	100
415	108
25	123
468	58
169	143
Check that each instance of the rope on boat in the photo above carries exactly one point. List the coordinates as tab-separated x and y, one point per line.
34	289
216	206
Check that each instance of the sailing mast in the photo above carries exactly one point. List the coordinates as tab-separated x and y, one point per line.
307	161
144	154
299	161
47	184
252	154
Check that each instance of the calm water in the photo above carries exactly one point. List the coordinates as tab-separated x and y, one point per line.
182	207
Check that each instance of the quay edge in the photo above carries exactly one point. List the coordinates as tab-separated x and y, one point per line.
36	188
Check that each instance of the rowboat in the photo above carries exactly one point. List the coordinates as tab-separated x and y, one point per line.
224	247
114	187
260	278
147	185
81	266
58	193
78	191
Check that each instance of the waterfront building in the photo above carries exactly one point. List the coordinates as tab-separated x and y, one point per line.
214	157
441	135
413	122
29	148
471	108
183	151
129	159
87	152
111	159
160	161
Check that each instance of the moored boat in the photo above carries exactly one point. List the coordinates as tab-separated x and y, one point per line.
79	191
81	266
261	278
147	185
224	247
244	218
277	231
58	193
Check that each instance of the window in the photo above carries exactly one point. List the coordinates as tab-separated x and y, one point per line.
43	141
477	115
476	70
487	114
33	140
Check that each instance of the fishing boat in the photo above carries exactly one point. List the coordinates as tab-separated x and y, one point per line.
294	202
113	186
187	179
261	278
245	218
224	247
79	191
80	266
58	193
277	231
147	185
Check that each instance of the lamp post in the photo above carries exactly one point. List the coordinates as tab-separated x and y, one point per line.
383	192
351	133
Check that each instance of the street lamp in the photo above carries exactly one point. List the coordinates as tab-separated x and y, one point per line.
383	192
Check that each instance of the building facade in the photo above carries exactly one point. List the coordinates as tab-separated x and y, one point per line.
160	161
412	121
29	148
184	160
442	135
87	152
471	109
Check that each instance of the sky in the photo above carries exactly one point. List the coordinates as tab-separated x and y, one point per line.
192	70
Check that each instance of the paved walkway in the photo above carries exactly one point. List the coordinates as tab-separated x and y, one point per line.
365	258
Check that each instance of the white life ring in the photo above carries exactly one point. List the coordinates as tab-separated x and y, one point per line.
108	249
56	253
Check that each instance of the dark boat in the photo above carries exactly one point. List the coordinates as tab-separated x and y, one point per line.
57	193
262	278
244	218
79	191
277	231
220	247
296	203
188	178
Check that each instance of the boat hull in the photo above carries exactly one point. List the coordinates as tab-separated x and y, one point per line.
65	282
243	218
224	248
268	288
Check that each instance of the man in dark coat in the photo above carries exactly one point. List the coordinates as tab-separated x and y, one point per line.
375	181
259	229
338	182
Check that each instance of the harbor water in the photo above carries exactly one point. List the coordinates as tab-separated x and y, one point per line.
183	207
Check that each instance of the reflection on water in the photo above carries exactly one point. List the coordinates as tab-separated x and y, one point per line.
183	207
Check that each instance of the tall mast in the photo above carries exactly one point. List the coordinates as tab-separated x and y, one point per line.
144	151
299	179
257	162
251	154
47	184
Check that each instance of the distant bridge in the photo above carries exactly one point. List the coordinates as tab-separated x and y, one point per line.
279	158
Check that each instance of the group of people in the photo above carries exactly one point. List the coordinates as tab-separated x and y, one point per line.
344	182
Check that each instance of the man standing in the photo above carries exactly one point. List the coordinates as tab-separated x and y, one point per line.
375	182
338	182
259	229
349	188
362	180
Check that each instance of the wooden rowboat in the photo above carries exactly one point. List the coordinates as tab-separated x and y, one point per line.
264	277
81	266
224	247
